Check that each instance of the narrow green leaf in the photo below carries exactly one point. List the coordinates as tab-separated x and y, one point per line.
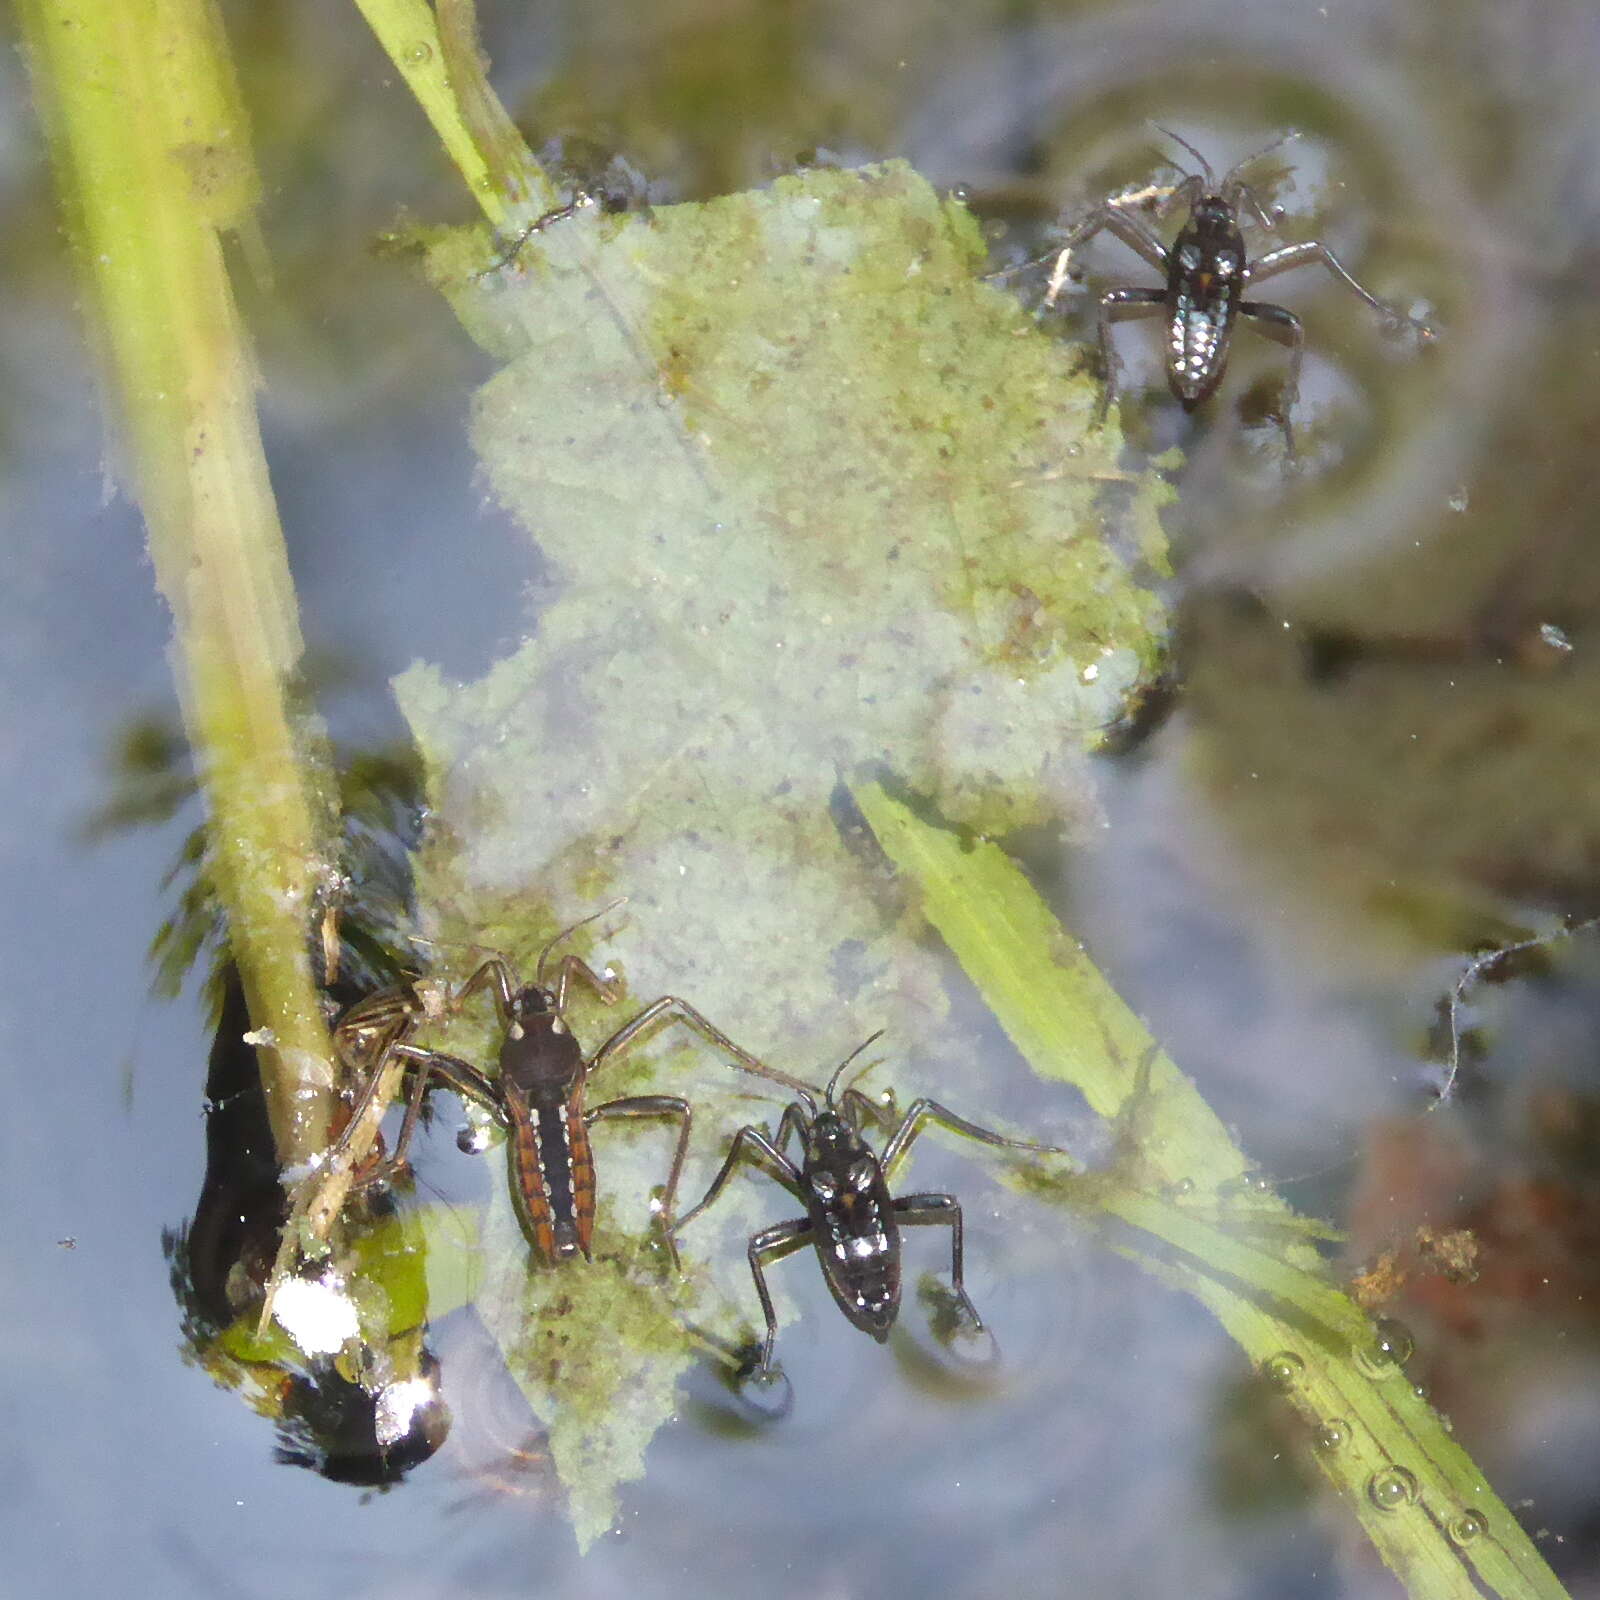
1183	1207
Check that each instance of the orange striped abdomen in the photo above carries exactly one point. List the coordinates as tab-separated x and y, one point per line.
552	1175
582	1176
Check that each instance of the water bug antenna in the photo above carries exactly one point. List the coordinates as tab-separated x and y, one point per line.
838	1071
1265	150
1177	138
567	932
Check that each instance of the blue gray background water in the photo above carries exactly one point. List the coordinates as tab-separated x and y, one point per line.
1381	758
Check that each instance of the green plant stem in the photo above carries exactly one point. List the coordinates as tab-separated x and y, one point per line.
151	149
438	57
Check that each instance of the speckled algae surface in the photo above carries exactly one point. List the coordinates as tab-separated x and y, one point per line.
817	499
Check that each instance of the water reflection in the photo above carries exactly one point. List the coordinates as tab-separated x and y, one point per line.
352	1409
1386	172
356	1405
365	907
1479	1228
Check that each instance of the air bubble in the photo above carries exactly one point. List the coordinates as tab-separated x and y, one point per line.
1467	1527
1459	499
1283	1370
1332	1435
418	54
1390	1349
1181	1190
1247	1185
1393	1489
1394	1342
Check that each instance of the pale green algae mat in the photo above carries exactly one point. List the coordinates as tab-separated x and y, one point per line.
816	499
820	506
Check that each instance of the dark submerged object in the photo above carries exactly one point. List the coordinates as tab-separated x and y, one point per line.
852	1217
538	1092
1208	272
368	1432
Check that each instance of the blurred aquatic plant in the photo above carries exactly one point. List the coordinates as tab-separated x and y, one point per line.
364	897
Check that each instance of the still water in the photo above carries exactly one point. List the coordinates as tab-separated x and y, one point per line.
1384	754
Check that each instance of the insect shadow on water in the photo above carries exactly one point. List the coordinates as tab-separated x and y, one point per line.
538	1093
852	1218
1209	274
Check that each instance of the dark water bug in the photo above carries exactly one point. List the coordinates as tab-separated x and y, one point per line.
853	1219
1210	279
538	1092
